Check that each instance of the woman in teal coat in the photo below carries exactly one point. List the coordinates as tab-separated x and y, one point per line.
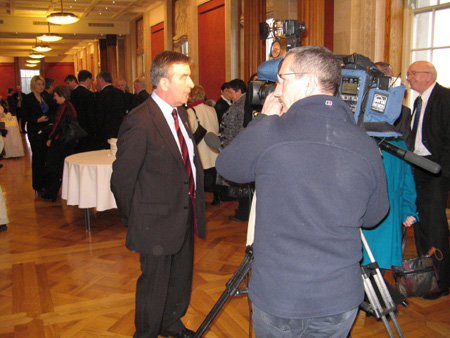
385	240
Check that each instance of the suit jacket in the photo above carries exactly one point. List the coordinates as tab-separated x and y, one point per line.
436	128
31	111
83	101
139	98
109	111
221	107
150	182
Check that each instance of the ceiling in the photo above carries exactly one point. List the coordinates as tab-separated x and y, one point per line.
22	20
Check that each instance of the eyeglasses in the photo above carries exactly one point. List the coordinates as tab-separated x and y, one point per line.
413	73
281	78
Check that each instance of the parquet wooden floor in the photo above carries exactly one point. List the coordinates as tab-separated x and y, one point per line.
56	280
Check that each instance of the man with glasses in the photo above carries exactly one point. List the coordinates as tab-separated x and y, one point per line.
319	178
430	137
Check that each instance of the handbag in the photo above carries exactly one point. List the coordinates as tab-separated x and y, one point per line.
200	132
417	277
73	131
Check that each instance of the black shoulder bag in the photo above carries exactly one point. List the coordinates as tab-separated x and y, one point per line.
200	132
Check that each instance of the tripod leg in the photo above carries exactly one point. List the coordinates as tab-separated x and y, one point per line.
232	289
375	302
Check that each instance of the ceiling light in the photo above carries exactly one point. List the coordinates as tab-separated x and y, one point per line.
35	55
62	18
49	37
33	61
41	48
31	65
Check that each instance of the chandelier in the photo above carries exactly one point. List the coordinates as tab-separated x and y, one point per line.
62	18
35	55
49	37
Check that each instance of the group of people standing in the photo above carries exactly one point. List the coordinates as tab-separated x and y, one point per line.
48	111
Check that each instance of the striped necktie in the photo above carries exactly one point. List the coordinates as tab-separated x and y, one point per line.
187	164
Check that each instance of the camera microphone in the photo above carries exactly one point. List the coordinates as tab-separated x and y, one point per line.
213	141
408	156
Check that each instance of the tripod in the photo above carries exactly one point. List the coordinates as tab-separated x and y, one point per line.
374	306
232	289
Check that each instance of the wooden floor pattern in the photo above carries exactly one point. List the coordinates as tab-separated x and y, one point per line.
56	280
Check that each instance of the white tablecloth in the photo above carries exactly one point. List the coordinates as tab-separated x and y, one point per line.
86	180
13	140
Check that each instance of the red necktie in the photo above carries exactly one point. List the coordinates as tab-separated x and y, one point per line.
187	164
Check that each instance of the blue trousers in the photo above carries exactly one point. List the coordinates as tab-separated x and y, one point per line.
268	326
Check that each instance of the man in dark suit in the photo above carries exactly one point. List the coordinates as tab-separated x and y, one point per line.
109	109
47	95
122	85
82	99
430	137
157	181
224	102
140	93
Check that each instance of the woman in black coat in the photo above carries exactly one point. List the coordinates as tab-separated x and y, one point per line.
58	146
34	113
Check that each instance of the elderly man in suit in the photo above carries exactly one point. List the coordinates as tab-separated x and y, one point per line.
430	138
109	107
140	93
157	181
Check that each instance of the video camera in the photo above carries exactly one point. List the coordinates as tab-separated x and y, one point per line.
375	104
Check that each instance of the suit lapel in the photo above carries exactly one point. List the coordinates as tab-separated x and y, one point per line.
427	113
163	129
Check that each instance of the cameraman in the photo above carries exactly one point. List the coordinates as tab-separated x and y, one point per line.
319	178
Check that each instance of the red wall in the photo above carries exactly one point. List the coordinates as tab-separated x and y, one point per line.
329	24
8	78
58	71
211	47
157	39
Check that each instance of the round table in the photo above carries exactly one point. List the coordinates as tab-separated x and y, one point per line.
86	181
13	140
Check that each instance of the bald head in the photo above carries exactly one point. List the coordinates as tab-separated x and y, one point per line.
421	75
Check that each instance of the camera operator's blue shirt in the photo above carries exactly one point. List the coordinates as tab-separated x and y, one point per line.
319	178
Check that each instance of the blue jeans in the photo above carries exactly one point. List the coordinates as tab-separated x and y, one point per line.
269	326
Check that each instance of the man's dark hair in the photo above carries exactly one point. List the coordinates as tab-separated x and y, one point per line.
237	84
106	76
49	82
225	85
83	75
71	77
10	90
162	64
62	91
318	61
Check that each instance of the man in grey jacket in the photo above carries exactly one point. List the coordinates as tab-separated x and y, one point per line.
319	178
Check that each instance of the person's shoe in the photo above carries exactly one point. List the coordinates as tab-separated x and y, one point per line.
185	333
216	200
3	227
436	295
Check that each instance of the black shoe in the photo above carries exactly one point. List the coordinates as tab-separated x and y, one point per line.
216	200
3	227
436	295
185	333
